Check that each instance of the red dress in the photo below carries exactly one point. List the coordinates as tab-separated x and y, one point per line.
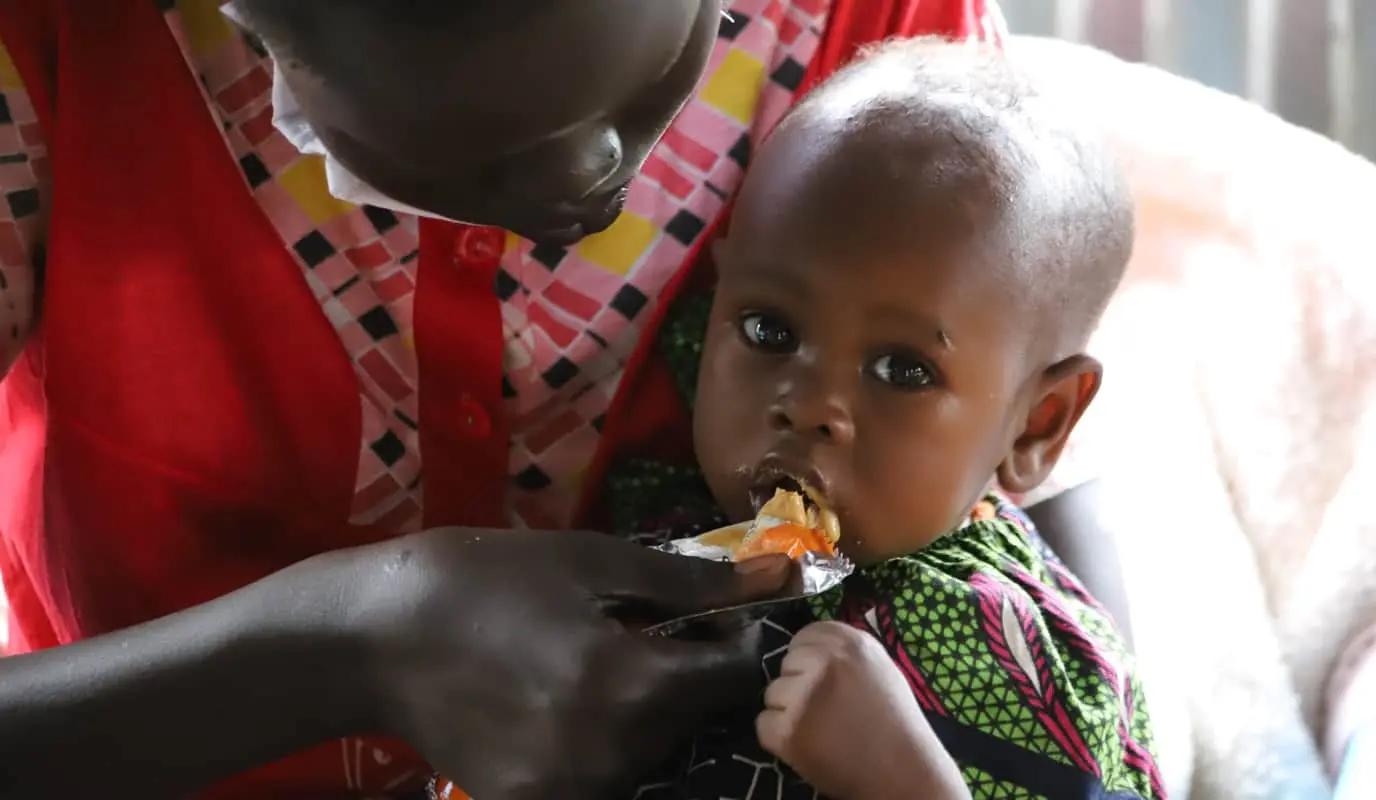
160	448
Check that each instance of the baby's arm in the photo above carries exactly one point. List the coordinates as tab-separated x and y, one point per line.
843	716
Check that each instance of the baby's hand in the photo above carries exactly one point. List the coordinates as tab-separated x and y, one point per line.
844	717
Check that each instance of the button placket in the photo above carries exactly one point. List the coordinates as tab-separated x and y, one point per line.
478	247
474	420
459	344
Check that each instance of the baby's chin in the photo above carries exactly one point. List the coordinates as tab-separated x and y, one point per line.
867	551
864	554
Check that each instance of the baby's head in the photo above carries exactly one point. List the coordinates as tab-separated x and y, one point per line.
916	261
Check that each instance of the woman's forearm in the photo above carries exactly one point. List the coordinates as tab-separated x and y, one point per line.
173	705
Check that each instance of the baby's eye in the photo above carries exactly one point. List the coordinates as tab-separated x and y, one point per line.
768	332
903	372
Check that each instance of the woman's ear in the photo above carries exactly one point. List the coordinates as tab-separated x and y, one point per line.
1066	390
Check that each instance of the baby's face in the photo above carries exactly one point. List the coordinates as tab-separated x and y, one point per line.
862	342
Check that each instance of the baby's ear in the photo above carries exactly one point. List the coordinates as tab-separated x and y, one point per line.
1065	391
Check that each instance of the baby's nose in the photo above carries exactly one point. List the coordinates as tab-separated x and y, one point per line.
814	414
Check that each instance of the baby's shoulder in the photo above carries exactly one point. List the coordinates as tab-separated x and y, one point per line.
997	636
997	569
990	597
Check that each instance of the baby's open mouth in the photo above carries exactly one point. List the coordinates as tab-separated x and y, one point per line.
762	492
784	499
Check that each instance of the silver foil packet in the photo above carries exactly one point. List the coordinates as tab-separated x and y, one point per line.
814	573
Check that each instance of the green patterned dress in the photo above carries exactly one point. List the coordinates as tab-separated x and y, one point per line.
1020	672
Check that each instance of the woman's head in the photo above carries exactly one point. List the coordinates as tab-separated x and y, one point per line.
527	114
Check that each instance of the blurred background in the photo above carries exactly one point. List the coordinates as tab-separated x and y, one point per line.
1313	62
1238	421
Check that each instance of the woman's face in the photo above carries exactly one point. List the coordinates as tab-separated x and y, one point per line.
535	124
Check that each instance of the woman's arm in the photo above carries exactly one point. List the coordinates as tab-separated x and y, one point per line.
165	708
1078	528
410	638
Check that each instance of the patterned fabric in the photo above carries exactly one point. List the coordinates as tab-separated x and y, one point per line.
23	177
583	309
359	262
571	317
1020	672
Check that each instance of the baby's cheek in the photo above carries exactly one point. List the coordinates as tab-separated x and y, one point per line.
901	510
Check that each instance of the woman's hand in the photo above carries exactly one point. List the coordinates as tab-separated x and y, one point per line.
499	656
493	652
844	717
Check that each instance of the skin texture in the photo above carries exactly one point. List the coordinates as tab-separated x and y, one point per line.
413	637
444	115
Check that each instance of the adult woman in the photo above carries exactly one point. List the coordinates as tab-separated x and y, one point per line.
184	421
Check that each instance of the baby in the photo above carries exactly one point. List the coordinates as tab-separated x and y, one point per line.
916	260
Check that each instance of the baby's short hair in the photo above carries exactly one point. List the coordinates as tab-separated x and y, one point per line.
1061	199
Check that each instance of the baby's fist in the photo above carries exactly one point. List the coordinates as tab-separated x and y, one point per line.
844	717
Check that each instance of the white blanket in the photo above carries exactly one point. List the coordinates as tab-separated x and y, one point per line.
1237	424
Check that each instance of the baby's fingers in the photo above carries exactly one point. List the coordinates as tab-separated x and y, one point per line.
774	728
787	692
803	659
785	706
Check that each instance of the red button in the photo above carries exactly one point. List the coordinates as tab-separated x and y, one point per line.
474	421
478	247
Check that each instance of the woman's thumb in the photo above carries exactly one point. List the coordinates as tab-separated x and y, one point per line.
683	585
